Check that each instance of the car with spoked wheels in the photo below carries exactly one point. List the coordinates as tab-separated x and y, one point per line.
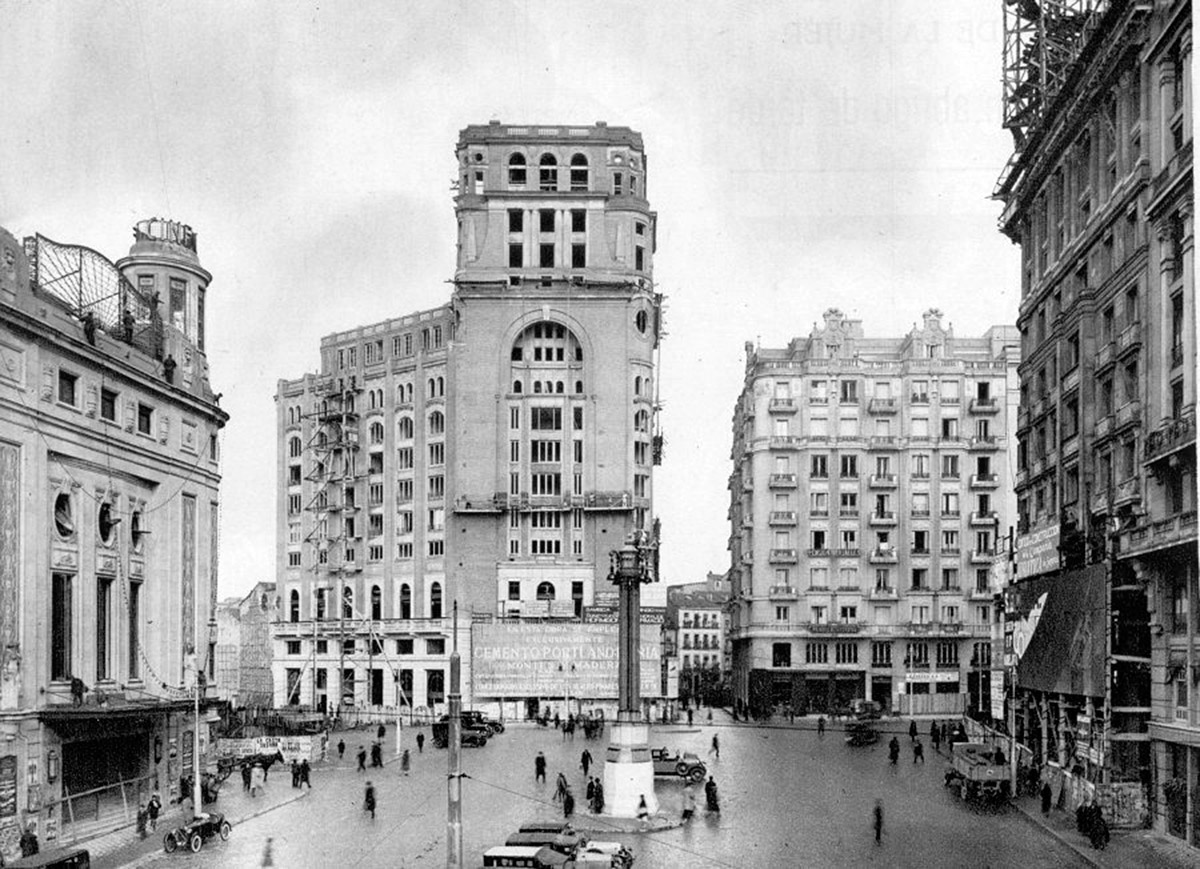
196	832
683	765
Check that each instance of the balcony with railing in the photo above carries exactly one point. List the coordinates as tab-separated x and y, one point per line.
1127	492
882	481
883	556
882	593
782	517
782	481
883	442
983	556
1152	535
781	405
883	517
835	627
881	405
1128	414
844	552
847	512
983	405
1071	379
783	556
983	517
983	442
783	592
985	481
1169	438
1106	354
1130	338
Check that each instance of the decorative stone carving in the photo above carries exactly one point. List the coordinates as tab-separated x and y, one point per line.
12	364
164	428
63	558
47	383
130	415
91	399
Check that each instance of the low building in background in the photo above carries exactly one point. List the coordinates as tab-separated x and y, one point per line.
697	621
109	512
244	651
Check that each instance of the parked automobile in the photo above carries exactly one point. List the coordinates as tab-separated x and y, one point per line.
866	710
685	765
478	719
860	733
979	772
196	832
473	737
56	858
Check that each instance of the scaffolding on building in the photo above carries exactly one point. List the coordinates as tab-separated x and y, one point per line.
1042	41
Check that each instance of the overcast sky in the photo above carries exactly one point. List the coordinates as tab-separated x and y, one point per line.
801	155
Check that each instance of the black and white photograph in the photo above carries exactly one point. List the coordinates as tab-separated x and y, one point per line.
520	433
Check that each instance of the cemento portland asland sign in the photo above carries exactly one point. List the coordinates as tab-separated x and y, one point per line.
557	660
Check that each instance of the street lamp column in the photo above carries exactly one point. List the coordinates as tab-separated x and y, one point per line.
628	768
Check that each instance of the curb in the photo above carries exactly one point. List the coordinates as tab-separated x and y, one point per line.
1059	837
271	808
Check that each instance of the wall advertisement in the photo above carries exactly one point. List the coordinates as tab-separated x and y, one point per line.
558	660
1037	552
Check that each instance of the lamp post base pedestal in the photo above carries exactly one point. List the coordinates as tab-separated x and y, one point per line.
629	770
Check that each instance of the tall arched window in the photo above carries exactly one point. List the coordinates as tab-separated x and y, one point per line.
320	603
441	386
545	591
437	423
548	173
294	606
294	447
376	432
347	602
406	601
641	421
406	428
637	385
516	170
579	172
376	603
435	601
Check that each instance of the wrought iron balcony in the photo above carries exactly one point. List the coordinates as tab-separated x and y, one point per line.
782	481
985	481
1169	438
782	405
881	405
983	405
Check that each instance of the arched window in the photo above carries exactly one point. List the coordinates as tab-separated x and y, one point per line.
429	389
294	606
637	385
320	604
441	386
405	602
579	387
579	172
558	386
347	602
435	601
376	432
294	447
322	439
641	421
516	386
437	423
376	603
537	386
548	173
406	428
545	591
516	170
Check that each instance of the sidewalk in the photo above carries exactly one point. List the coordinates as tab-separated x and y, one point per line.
122	847
1127	847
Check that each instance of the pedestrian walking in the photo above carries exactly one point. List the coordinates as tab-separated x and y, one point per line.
918	752
568	803
689	802
369	800
585	761
1047	795
912	731
295	773
258	779
539	767
710	795
155	806
268	858
590	792
404	762
878	822
381	733
245	776
376	754
710	715
305	773
599	797
716	747
894	750
643	811
420	743
362	759
341	748
143	818
934	735
560	787
946	735
821	725
689	716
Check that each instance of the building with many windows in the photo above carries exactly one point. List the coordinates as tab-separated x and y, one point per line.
870	486
698	618
489	452
244	652
108	525
1099	196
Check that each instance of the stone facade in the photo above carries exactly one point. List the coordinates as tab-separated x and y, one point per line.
868	496
109	474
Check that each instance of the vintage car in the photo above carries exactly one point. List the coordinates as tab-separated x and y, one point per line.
472	737
530	856
56	858
979	772
866	710
860	733
197	831
478	719
685	765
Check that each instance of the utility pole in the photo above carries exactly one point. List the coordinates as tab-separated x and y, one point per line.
454	826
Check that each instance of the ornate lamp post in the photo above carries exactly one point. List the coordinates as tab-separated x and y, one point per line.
628	768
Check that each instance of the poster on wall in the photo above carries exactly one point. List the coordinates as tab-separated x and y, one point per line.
1058	632
8	785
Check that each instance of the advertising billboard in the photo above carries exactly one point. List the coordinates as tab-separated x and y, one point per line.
1058	631
547	659
1038	552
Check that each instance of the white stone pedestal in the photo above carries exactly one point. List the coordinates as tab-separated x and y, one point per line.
629	770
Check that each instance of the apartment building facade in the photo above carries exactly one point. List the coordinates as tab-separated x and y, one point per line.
1099	196
869	489
489	452
109	512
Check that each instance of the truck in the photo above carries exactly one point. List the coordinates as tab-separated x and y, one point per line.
979	772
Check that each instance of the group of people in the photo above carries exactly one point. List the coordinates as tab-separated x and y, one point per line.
147	814
1089	820
300	773
254	778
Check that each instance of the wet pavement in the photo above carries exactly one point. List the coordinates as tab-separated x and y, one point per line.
788	798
